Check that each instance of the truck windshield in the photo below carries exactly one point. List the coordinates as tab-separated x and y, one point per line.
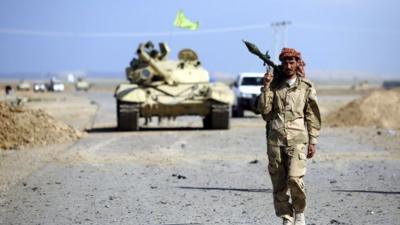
252	81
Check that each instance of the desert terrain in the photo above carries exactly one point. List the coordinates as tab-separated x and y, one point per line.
177	173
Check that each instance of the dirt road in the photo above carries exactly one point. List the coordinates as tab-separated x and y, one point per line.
186	175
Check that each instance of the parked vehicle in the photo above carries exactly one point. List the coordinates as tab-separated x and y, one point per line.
39	87
55	85
24	86
82	85
246	88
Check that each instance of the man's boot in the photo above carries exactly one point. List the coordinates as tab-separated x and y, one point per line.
287	221
300	219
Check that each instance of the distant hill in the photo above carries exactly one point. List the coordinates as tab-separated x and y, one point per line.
349	75
226	77
61	75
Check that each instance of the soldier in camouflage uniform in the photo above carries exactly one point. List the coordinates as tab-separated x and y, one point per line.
289	106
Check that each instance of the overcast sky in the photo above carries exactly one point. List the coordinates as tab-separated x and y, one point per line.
98	35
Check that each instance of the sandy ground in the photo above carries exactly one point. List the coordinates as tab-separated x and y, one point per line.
178	173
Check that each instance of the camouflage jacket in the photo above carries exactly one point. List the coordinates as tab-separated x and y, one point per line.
291	112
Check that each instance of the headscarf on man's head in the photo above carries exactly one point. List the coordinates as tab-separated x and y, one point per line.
291	52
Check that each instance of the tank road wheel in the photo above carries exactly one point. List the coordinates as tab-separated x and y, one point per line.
218	118
127	116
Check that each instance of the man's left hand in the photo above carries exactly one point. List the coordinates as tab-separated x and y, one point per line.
312	148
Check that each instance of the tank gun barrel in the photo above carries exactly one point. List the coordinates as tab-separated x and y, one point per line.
143	55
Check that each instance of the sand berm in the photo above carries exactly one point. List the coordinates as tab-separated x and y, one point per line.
381	109
21	127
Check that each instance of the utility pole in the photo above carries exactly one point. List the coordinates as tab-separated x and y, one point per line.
279	30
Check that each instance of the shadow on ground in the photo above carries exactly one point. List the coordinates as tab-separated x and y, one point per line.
370	192
267	190
145	129
182	224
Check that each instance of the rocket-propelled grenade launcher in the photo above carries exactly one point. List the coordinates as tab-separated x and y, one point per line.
266	58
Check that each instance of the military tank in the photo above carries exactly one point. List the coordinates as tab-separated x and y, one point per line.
82	85
24	86
159	87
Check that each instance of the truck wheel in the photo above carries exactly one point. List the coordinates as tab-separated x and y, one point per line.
237	111
218	118
127	116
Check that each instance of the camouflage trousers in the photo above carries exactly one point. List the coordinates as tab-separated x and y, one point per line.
287	166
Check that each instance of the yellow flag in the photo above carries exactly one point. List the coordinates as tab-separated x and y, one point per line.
182	21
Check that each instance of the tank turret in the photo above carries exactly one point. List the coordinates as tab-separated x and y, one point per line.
152	65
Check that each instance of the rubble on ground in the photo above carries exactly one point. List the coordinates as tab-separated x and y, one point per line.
21	127
380	109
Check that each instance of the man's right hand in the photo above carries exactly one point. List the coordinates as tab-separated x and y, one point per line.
268	77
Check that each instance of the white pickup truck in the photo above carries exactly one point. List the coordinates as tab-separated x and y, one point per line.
246	88
55	85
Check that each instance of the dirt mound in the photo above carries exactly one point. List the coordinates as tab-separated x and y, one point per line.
22	127
380	108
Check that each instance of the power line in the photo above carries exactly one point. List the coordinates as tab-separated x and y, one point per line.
7	31
389	30
44	33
